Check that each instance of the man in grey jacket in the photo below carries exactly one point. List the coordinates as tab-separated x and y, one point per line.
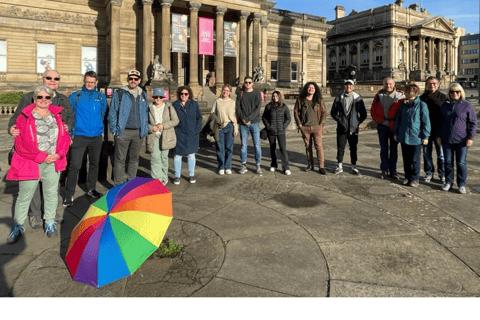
51	79
348	110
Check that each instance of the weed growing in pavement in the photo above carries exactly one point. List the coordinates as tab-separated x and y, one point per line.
170	249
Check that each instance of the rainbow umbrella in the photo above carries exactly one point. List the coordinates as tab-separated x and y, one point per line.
119	232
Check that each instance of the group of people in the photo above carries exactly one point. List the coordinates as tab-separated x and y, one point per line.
50	129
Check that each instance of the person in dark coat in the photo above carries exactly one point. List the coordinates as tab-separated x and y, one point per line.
276	119
187	132
348	110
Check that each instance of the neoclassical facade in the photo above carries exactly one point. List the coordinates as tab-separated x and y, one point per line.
406	43
115	36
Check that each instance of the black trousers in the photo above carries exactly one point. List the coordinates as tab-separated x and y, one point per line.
342	138
94	147
282	143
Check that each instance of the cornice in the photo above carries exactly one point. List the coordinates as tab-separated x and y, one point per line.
46	15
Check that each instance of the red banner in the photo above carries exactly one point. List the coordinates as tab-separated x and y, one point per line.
205	36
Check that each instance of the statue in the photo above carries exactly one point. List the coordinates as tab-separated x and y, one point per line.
159	72
258	74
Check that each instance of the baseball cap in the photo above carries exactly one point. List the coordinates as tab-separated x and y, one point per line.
134	73
158	92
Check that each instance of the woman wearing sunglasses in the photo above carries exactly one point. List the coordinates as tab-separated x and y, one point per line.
40	151
457	128
187	132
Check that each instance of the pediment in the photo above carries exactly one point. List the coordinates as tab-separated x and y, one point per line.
436	23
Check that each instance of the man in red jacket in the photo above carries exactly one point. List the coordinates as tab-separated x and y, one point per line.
382	103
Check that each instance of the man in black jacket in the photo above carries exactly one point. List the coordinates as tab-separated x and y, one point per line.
51	79
434	99
349	111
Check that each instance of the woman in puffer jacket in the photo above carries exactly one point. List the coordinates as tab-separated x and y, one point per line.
276	119
40	153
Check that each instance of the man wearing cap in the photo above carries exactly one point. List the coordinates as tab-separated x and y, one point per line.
382	102
89	106
128	121
348	110
51	79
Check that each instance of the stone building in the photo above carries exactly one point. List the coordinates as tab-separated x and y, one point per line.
115	36
468	56
406	43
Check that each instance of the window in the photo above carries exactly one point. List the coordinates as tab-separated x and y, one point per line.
274	70
89	59
378	52
364	54
353	55
333	58
3	55
343	57
401	52
45	57
294	71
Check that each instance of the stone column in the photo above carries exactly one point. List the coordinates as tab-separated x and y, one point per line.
421	53
147	38
264	42
384	53
359	56
166	44
304	58
115	20
449	55
370	55
243	45
431	50
337	64
391	52
219	46
441	62
257	17
347	58
194	7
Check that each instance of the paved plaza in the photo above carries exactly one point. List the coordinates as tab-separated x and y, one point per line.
304	235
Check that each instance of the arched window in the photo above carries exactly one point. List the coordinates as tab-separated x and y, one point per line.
378	52
401	52
343	57
353	55
364	53
333	58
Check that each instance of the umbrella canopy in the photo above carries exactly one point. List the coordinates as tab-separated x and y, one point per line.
119	232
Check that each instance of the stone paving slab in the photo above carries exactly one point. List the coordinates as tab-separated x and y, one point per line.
414	262
259	261
226	288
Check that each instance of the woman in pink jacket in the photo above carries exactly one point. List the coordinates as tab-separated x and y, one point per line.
40	151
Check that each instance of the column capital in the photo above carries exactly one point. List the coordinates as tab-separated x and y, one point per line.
147	2
194	6
265	23
221	10
166	3
114	2
304	38
244	14
257	16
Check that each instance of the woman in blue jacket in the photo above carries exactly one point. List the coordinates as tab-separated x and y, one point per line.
412	129
457	128
187	132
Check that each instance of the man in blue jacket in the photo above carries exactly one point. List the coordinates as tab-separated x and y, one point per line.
89	107
348	110
128	121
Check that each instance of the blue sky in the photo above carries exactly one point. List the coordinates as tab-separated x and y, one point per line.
465	13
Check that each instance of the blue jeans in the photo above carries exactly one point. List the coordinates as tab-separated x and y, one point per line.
460	151
254	129
411	161
225	147
177	164
388	149
428	166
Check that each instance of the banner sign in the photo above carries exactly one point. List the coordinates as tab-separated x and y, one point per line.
179	32
230	39
205	36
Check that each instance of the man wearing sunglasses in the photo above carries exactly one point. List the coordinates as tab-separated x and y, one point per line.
89	106
128	121
248	106
51	79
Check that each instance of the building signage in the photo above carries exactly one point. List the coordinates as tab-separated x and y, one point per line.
230	39
205	36
179	32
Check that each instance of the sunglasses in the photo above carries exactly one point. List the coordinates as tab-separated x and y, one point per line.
133	79
184	94
249	82
50	78
158	97
46	97
457	92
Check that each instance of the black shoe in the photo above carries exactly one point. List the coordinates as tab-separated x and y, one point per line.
35	222
309	167
394	176
322	171
384	175
94	194
68	201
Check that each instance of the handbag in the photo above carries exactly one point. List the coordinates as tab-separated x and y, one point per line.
263	134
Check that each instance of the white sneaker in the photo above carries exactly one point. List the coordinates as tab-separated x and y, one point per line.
428	178
405	182
228	171
273	169
462	190
446	187
288	172
221	171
